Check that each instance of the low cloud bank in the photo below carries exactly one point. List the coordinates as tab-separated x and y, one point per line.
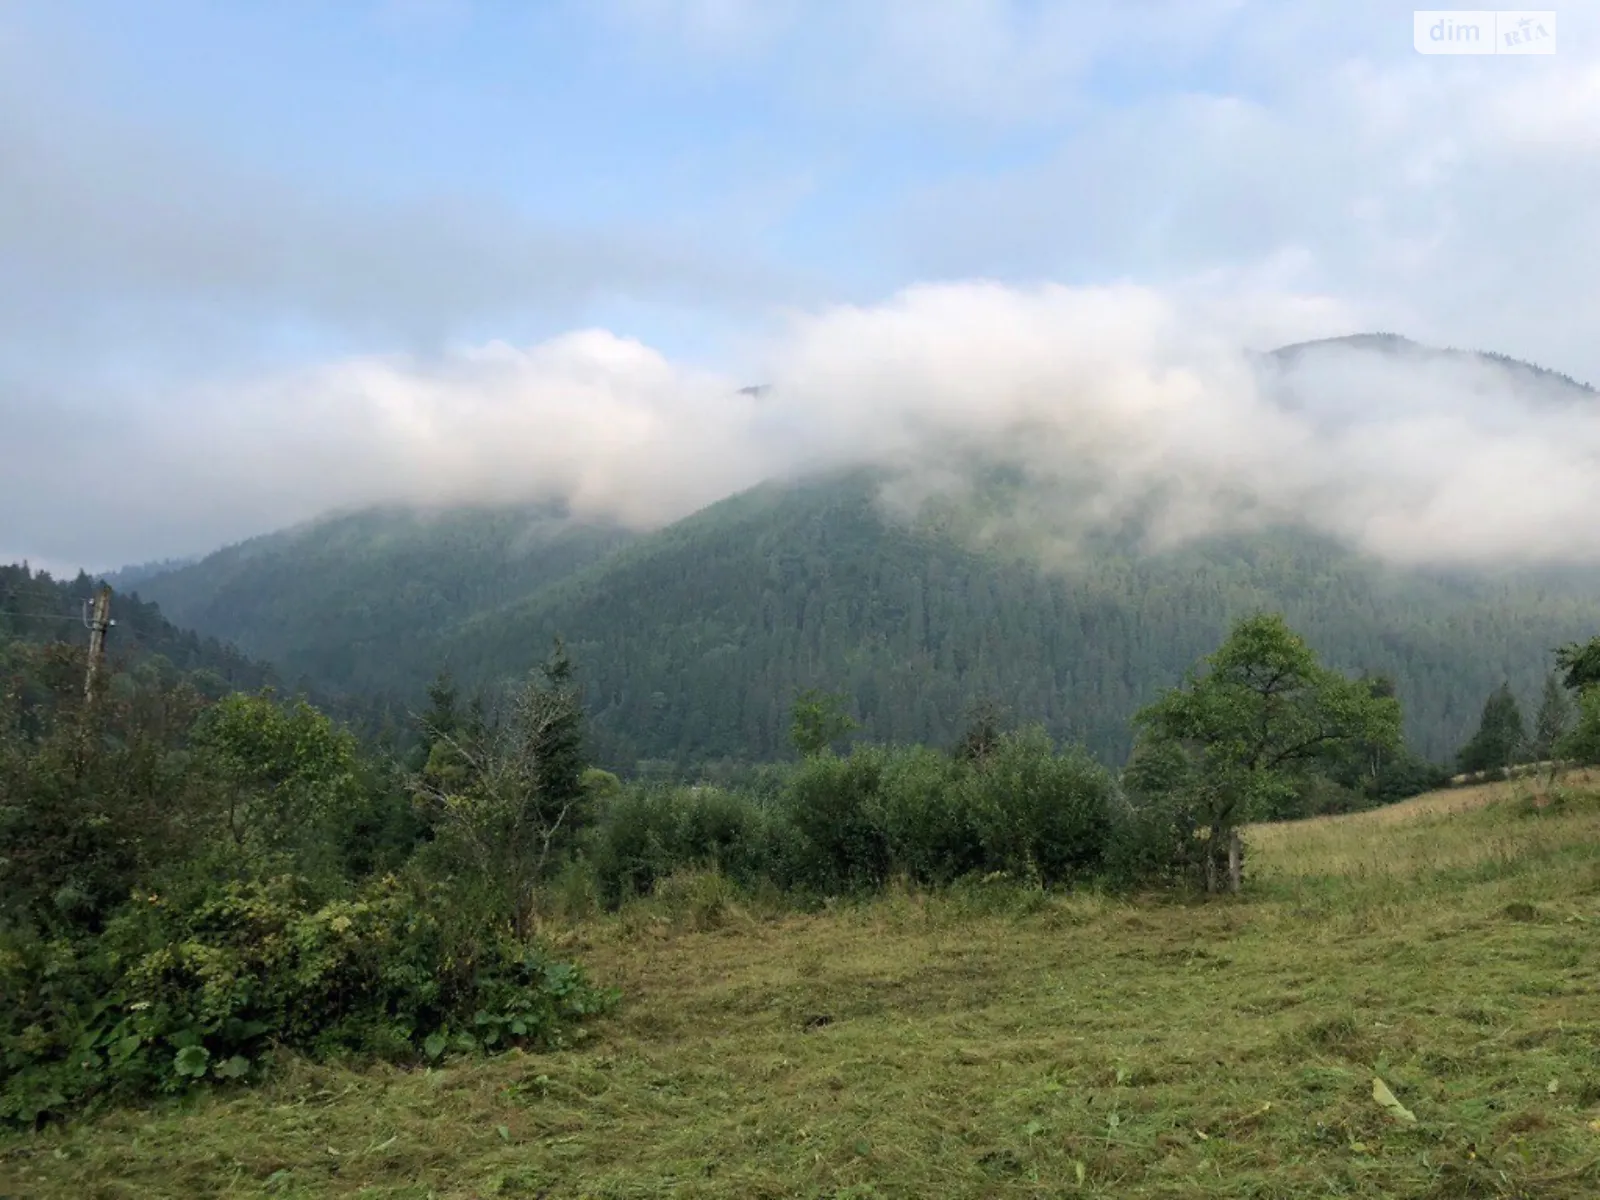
1116	404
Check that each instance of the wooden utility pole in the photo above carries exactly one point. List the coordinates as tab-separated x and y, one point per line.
98	624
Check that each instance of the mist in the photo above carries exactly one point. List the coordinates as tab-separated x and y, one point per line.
1118	407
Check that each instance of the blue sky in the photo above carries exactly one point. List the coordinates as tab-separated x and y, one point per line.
200	201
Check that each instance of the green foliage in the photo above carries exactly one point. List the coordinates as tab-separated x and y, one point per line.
1582	744
1260	717
90	801
1365	773
819	720
1501	740
924	807
206	980
834	805
599	786
648	833
1581	662
1553	721
848	825
518	803
983	731
1039	814
184	887
550	721
288	775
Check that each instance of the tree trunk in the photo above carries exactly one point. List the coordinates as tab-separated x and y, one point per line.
1235	862
1211	868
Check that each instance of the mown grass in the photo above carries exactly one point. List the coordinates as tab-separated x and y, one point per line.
996	1042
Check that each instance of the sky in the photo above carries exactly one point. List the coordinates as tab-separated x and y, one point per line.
262	260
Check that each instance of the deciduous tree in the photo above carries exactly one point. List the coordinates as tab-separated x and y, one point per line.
1253	720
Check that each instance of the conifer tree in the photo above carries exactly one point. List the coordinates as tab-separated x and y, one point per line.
1501	739
1553	721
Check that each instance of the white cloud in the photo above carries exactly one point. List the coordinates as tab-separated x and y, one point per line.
1119	402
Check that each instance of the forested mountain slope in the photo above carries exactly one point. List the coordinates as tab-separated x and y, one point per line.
692	642
354	604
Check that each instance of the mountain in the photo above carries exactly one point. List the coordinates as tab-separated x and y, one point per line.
1524	376
692	640
37	609
125	579
356	603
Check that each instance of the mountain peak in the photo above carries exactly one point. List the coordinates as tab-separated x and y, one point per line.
1395	345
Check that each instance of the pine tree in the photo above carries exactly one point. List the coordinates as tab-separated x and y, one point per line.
551	715
1501	738
983	731
1553	721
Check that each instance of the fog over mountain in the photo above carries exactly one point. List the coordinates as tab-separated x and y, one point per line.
1117	405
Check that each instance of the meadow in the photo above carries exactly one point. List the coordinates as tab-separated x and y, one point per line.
991	1040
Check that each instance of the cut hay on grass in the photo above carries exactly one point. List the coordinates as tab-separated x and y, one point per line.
995	1042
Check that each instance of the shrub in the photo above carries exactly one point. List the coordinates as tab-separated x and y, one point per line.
1157	838
835	807
1039	814
1156	826
89	803
926	817
646	833
1582	744
192	987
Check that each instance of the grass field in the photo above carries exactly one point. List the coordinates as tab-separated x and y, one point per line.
995	1042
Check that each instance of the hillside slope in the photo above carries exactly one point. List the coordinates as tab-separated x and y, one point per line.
354	604
691	642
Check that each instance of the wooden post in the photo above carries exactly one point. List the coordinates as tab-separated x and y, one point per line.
98	624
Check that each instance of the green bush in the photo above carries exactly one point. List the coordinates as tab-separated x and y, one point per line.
91	803
835	807
1156	839
646	833
1039	814
189	987
1582	744
926	816
1155	830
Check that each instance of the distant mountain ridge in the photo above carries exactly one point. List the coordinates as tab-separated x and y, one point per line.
692	639
1398	345
125	579
332	601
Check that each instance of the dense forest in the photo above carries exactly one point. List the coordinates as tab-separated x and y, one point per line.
694	639
355	605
